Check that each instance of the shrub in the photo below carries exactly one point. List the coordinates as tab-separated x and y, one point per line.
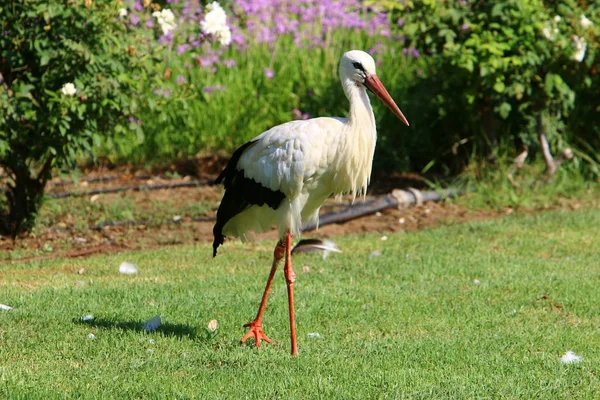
64	82
500	69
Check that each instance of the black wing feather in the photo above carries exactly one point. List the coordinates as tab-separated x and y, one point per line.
240	193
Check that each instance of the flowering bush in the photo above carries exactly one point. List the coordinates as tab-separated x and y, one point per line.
223	75
505	67
63	82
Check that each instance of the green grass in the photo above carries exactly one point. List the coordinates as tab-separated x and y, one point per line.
488	187
410	323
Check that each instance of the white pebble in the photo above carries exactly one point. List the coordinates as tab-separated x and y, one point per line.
127	268
374	254
314	335
5	307
212	326
570	358
87	318
91	336
476	281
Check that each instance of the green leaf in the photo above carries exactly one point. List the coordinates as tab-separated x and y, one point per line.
499	86
504	110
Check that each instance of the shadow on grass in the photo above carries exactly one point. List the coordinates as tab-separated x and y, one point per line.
167	329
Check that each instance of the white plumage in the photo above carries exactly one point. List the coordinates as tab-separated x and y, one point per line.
283	176
311	160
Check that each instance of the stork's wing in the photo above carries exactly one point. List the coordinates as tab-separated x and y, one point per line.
273	166
286	156
240	193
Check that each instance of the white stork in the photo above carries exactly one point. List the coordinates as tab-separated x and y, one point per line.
283	176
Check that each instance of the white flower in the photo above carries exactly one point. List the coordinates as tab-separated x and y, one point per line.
168	16
570	357
122	12
557	19
214	6
224	36
167	27
215	23
580	47
550	32
585	22
166	20
68	89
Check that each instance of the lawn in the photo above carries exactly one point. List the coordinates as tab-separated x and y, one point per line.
474	310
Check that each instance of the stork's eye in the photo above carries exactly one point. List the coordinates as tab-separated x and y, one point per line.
358	65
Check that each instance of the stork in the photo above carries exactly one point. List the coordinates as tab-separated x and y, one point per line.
284	175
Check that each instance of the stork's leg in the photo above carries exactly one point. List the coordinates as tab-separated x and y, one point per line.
290	278
256	325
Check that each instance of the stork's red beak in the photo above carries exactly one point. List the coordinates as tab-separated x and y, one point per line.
374	85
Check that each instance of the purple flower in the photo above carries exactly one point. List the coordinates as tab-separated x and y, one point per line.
411	51
134	19
229	63
464	27
269	73
182	48
309	22
376	49
180	79
138	5
400	22
299	114
162	92
212	89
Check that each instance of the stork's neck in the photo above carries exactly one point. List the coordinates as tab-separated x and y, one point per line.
357	144
361	116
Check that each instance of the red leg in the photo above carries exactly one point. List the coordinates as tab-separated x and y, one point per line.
290	278
256	325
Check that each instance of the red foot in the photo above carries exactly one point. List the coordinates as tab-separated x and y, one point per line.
256	332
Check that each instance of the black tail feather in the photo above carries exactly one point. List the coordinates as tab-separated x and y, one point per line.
240	193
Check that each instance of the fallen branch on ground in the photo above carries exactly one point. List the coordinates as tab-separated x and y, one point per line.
398	198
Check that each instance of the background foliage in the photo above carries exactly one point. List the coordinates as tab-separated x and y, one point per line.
65	86
154	83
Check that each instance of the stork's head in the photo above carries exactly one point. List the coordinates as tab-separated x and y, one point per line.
359	68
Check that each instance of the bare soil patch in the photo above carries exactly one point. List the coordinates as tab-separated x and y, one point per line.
181	215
